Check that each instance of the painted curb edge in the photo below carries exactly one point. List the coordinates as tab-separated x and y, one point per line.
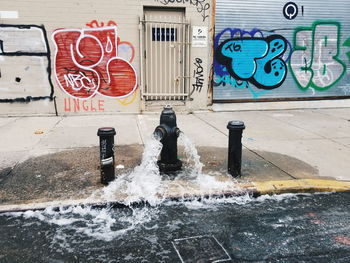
256	188
300	186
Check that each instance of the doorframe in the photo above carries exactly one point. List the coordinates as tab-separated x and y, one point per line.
187	54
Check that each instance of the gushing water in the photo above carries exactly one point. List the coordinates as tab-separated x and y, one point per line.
193	170
143	184
194	165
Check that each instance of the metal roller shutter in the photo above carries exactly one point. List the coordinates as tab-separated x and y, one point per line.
272	50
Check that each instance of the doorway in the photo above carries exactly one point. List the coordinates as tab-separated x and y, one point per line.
165	54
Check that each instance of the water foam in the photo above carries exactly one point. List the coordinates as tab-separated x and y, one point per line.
100	224
142	184
206	182
145	184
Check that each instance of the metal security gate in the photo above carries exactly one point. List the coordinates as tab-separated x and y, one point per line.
165	58
314	62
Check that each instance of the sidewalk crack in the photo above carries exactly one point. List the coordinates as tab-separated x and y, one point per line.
210	124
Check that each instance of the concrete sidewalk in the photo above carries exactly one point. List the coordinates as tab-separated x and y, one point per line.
280	147
321	138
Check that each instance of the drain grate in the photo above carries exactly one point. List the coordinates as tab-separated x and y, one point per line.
203	249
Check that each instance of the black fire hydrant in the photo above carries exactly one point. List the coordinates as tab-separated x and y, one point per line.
168	132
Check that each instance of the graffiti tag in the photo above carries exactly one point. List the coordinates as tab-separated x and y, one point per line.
86	63
80	81
201	6
78	105
315	62
255	59
290	10
198	75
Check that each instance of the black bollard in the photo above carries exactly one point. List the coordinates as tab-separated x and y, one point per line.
106	135
168	132
235	147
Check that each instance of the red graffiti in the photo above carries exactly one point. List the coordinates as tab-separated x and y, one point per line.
123	46
86	63
94	23
77	105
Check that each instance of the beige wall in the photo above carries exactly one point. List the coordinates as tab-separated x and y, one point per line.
76	88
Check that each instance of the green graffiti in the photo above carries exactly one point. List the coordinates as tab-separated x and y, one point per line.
314	62
347	44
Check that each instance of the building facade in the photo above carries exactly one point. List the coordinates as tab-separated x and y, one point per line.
108	56
113	56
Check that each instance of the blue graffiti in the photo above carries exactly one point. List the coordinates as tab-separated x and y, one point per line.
232	33
239	84
254	59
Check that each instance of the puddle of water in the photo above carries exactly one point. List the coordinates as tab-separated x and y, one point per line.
285	228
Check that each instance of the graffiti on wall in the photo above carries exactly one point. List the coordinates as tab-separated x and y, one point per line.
315	61
198	76
290	10
78	105
347	44
125	50
247	57
314	58
87	62
201	6
25	66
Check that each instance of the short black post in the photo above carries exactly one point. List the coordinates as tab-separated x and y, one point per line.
235	147
106	135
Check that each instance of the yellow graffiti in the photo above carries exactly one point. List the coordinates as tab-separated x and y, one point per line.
128	100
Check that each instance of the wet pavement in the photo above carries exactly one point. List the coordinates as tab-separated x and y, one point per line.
284	228
75	174
56	159
53	163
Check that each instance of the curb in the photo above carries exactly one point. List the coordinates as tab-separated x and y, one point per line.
255	188
299	186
